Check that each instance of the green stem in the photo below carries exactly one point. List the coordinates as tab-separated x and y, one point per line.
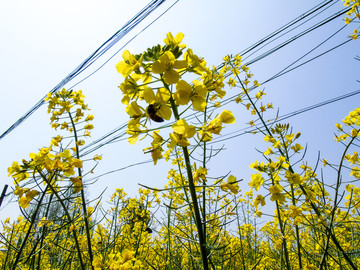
313	206
269	132
8	248
44	230
32	222
87	227
169	253
198	221
240	238
294	204
204	183
338	183
53	191
282	230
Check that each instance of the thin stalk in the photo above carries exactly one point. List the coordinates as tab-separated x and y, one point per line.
87	227
240	238
32	222
8	248
142	229
67	216
282	230
269	132
338	182
294	204
168	235
44	231
198	222
313	206
204	183
296	230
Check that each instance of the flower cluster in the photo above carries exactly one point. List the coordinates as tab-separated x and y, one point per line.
191	223
154	90
54	164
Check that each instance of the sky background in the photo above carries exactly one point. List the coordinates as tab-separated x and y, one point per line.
43	41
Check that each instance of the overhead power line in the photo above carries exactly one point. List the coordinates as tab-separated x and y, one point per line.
247	130
122	47
130	25
118	134
237	133
144	13
293	38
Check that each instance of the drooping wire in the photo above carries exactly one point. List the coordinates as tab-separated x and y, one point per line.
121	129
284	71
146	11
122	47
279	32
292	39
234	134
287	69
247	130
97	145
322	7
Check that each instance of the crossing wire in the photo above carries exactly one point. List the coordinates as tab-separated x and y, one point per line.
119	137
248	130
229	136
120	131
265	41
140	16
126	29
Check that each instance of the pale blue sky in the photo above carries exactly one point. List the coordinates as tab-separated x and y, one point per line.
42	41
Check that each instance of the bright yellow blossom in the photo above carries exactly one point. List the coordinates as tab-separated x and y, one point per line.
166	65
231	184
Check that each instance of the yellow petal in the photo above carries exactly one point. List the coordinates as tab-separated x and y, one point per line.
199	104
162	95
133	109
148	95
180	126
126	55
179	37
180	64
168	57
169	38
156	155
190	132
123	68
183	92
164	112
227	117
171	76
133	139
158	67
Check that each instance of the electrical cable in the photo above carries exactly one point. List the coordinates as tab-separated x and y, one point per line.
230	99
121	169
248	130
282	72
305	15
122	47
290	40
276	34
121	33
147	10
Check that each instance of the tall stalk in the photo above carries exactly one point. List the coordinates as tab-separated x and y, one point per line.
83	201
32	222
70	220
313	206
195	204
